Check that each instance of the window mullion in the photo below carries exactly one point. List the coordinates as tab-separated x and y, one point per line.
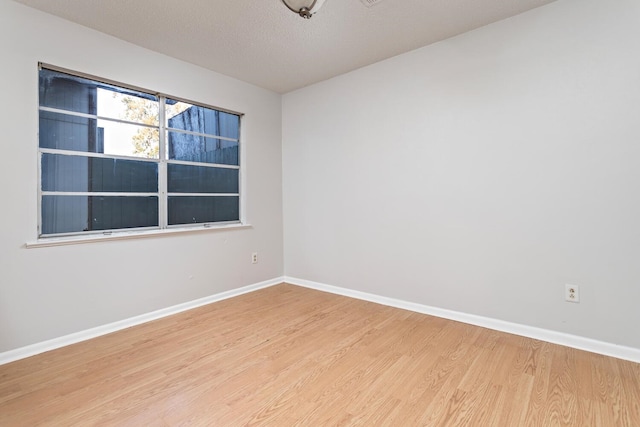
162	167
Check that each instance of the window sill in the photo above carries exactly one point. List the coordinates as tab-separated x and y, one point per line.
126	235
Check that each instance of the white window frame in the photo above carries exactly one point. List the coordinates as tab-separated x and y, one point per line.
162	161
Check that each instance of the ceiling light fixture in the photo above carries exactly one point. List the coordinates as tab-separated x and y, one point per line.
304	8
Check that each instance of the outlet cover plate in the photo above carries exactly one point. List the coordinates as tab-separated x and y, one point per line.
571	293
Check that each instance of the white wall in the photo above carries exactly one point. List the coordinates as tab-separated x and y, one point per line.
481	174
49	292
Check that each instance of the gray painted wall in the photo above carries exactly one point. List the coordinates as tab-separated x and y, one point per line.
46	293
481	174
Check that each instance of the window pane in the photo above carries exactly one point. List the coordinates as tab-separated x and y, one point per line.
198	210
131	106
201	179
77	173
202	120
64	132
68	214
193	148
81	95
122	139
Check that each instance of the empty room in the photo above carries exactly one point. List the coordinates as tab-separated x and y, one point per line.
320	213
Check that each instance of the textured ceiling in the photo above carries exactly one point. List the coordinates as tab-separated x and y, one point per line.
263	43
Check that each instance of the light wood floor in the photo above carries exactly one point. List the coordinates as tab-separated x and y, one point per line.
292	356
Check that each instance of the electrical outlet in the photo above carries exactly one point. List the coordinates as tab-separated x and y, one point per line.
572	293
254	258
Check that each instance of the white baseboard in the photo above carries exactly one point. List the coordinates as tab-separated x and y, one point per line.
561	338
574	341
41	347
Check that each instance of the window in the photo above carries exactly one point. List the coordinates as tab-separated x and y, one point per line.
117	158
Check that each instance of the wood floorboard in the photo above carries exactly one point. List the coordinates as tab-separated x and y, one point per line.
290	356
